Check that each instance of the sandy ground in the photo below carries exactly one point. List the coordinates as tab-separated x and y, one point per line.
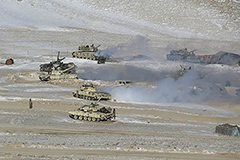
140	131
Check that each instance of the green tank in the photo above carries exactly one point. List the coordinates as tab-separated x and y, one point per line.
57	74
89	92
93	112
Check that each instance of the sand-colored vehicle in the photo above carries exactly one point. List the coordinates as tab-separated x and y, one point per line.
89	92
57	74
86	52
48	67
126	83
89	52
93	112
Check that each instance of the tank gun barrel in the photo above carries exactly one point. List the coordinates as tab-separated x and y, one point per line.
98	45
59	59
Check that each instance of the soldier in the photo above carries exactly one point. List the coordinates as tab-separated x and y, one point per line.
30	104
114	113
94	48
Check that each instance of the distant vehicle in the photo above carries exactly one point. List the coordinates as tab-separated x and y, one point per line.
218	58
101	60
180	55
93	112
58	74
48	67
89	92
229	130
123	83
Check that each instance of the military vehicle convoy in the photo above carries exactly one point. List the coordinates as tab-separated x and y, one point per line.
56	70
89	92
93	112
89	52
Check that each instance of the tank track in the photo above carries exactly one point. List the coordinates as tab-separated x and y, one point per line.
86	118
78	55
88	97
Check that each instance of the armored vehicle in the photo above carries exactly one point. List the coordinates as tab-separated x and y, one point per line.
123	83
89	92
47	67
182	54
101	60
89	52
93	112
227	129
57	74
86	52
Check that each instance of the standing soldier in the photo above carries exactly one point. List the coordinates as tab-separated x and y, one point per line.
30	104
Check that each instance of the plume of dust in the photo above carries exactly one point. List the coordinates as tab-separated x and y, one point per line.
137	45
188	88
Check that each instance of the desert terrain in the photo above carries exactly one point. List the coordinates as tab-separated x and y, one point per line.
158	117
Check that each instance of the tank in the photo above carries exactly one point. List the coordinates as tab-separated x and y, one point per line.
47	67
57	74
89	52
89	92
182	54
93	112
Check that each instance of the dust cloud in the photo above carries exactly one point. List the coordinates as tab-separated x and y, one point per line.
191	88
138	47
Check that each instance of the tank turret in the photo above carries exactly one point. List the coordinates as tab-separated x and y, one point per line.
93	112
89	92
